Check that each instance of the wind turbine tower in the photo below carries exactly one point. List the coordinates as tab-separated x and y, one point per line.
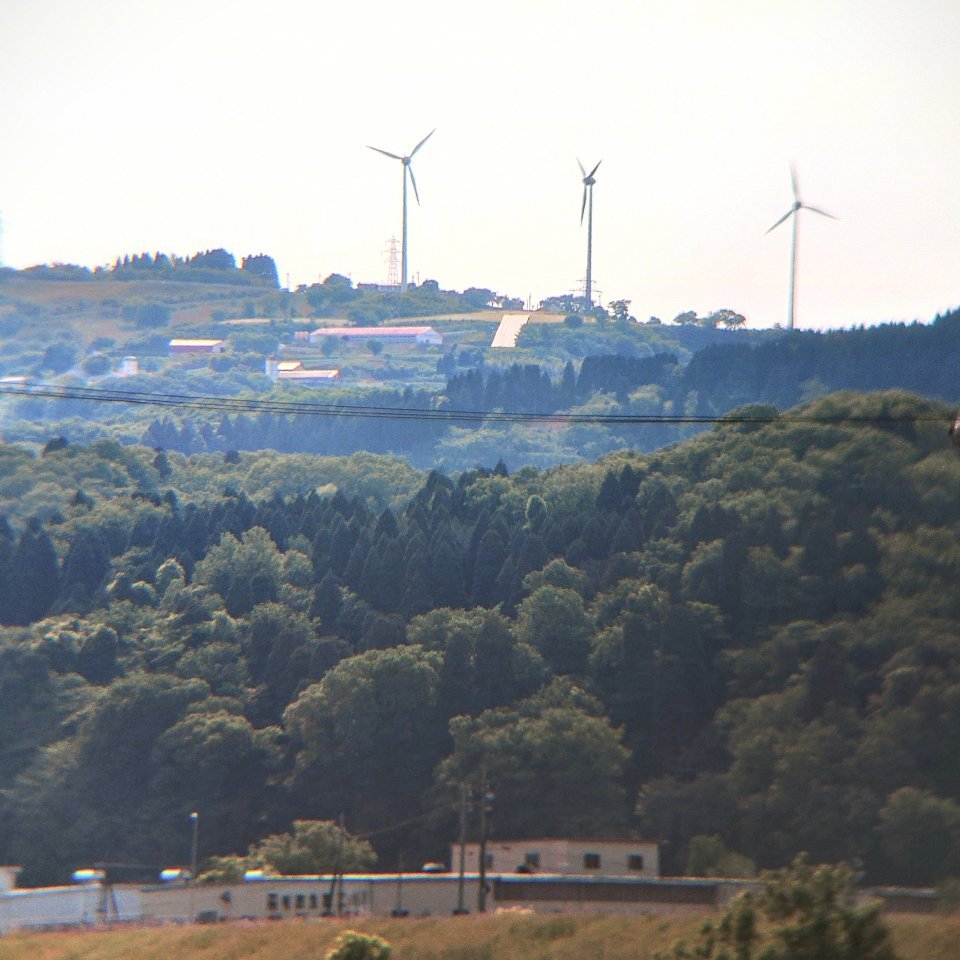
588	182
407	169
794	212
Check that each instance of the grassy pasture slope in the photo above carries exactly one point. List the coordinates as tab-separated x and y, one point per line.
470	938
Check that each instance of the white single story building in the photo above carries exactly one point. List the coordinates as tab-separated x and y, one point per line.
293	371
92	901
574	857
81	904
432	895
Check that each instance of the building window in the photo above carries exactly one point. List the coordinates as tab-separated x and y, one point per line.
635	861
286	901
532	860
591	861
488	861
314	903
301	901
273	903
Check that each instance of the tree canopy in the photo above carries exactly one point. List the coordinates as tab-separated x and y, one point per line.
739	644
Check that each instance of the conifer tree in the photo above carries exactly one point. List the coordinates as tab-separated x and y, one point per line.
34	576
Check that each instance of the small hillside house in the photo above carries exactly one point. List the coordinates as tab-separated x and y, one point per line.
606	858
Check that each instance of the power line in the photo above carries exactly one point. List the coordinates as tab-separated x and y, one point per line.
313	409
436	811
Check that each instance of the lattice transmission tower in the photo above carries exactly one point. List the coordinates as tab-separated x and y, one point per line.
391	254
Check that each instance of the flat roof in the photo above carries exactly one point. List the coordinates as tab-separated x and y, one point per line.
321	878
474	876
24	893
509	841
177	342
602	878
374	331
298	374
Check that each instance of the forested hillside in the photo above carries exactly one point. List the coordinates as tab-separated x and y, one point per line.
615	390
74	334
751	636
717	379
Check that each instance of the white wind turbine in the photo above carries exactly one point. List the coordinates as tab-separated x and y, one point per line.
588	182
794	211
405	160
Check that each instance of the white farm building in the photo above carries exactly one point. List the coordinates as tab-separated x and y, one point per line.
179	345
425	336
293	371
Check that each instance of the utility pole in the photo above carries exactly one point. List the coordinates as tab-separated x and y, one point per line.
486	806
194	838
195	821
336	899
343	830
461	909
398	910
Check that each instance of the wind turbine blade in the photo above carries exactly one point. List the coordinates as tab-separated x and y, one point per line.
583	206
386	153
583	173
793	181
823	213
594	170
423	141
413	180
789	213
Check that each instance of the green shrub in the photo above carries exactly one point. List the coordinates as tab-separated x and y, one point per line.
146	315
351	945
804	911
97	365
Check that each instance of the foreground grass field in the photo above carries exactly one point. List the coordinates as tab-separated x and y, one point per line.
467	938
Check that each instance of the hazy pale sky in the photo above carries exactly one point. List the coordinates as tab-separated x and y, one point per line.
130	125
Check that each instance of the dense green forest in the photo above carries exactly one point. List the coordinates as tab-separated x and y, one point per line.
743	644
